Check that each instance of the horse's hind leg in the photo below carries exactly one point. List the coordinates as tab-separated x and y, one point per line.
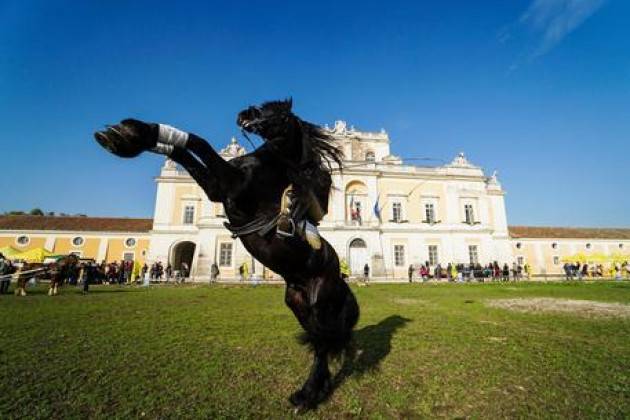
317	385
327	330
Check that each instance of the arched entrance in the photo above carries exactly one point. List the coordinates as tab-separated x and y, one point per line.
358	254
182	252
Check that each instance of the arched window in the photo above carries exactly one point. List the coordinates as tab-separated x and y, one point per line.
356	202
358	243
369	156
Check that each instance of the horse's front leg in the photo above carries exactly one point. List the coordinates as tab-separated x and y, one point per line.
131	137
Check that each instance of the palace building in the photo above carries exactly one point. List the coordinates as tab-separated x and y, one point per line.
382	212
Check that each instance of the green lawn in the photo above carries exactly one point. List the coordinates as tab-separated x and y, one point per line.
423	351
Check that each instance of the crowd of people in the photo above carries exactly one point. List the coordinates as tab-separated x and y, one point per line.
130	272
469	272
127	272
581	271
116	272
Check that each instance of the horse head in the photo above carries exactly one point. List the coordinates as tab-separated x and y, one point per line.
284	131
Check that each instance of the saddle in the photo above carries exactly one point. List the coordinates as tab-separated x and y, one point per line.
298	217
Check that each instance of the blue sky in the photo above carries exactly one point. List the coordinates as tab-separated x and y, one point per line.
537	89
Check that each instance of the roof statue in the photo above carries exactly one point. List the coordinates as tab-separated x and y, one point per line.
232	150
493	181
340	127
460	161
169	164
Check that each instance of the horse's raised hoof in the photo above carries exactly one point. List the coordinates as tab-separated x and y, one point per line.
129	138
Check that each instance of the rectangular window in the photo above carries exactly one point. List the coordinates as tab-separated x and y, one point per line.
520	260
128	256
433	254
225	255
470	216
399	255
396	212
473	254
556	260
429	211
189	215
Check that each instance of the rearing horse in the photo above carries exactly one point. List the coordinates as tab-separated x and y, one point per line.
251	187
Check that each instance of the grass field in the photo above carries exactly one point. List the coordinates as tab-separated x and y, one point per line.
423	351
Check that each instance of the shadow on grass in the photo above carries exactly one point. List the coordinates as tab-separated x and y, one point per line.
370	346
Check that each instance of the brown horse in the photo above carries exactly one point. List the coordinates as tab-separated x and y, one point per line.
62	270
58	271
251	187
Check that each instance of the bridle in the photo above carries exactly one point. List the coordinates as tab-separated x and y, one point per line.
274	149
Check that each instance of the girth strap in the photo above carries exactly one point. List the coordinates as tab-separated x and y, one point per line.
262	226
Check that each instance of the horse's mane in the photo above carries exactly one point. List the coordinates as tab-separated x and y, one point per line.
318	145
322	145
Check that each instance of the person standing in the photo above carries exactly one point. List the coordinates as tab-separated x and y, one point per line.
145	269
506	272
344	269
185	270
410	273
437	273
214	273
244	271
366	273
169	272
88	276
453	272
4	271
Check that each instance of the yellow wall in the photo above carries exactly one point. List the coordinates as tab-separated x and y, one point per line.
10	241
413	193
180	192
90	248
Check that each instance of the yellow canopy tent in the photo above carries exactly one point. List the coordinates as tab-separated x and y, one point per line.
35	255
620	258
579	257
598	258
7	251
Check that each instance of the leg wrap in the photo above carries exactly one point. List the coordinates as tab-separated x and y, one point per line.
163	149
173	136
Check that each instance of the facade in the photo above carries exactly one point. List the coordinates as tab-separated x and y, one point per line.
381	212
109	239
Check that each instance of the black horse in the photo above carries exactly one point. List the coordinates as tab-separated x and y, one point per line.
251	187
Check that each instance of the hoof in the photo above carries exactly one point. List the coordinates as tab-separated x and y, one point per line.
298	399
300	403
128	139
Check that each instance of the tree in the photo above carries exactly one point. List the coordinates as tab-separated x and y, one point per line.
36	212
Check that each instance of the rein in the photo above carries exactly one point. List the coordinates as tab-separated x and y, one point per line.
261	225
